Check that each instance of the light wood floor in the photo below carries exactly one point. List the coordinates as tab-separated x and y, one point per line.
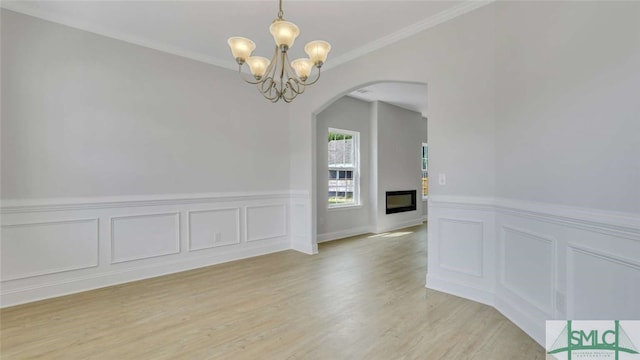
360	298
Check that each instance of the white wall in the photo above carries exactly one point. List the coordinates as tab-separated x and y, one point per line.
534	120
349	114
568	113
400	133
121	162
86	115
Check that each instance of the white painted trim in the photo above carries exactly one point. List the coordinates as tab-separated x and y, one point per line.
112	221
480	273
432	21
24	8
603	221
270	236
549	240
85	203
402	225
448	286
521	319
190	224
58	270
572	249
343	234
408	31
95	281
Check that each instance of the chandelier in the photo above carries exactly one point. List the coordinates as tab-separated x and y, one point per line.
278	78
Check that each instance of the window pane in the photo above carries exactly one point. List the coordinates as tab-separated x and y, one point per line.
342	158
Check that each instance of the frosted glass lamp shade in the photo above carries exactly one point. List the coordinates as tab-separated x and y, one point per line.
284	33
241	48
258	65
318	51
302	67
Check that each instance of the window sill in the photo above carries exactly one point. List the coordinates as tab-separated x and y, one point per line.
345	207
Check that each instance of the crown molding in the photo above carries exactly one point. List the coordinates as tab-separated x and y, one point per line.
23	7
408	31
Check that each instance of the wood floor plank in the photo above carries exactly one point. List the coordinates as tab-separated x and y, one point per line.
360	298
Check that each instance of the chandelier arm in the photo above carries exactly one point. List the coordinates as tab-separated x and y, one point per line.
316	79
271	69
243	76
271	92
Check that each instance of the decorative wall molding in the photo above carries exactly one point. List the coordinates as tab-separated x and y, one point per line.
139	237
270	222
41	235
628	290
562	250
413	29
447	257
515	287
427	23
145	236
215	228
109	202
606	222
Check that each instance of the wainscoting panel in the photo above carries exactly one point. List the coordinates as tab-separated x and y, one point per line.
301	227
55	247
461	246
266	222
139	237
546	261
602	285
35	249
213	228
528	267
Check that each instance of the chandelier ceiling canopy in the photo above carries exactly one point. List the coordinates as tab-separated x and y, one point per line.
278	78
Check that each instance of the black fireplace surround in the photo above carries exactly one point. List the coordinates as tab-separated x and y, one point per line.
400	201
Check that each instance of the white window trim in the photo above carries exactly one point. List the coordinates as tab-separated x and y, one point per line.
356	170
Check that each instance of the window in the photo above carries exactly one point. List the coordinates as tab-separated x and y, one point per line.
344	169
425	173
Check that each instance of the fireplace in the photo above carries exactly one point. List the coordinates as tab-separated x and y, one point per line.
400	201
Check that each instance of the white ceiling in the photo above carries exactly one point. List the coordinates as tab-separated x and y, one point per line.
404	95
199	29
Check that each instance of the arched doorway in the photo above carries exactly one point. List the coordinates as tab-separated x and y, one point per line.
347	197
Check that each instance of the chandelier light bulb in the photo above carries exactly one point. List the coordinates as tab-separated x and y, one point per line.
318	51
284	33
258	65
302	67
241	48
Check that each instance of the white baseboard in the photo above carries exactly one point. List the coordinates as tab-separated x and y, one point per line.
74	285
400	225
465	291
343	234
522	319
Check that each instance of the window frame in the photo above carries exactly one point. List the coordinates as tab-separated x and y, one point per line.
355	135
424	169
